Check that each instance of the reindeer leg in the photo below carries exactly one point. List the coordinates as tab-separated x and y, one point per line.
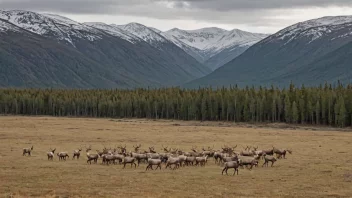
124	165
272	163
222	172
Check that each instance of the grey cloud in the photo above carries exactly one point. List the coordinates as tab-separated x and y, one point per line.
233	5
252	13
110	6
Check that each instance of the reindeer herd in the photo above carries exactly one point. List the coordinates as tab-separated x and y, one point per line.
174	158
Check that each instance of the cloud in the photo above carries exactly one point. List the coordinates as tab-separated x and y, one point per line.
268	15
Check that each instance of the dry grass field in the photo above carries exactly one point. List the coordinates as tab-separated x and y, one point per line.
320	166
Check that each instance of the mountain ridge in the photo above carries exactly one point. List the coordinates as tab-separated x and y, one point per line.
61	53
292	50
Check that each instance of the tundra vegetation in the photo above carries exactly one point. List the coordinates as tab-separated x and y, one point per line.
303	163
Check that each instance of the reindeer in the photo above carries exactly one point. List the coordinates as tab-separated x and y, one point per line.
173	161
123	149
182	160
51	154
108	159
91	157
152	162
194	152
208	152
27	151
269	151
129	160
139	157
201	160
62	156
232	164
190	160
281	152
269	158
230	159
247	151
246	161
77	153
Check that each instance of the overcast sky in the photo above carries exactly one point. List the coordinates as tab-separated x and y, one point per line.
267	16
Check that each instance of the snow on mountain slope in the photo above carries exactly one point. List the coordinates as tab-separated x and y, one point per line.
115	31
50	25
314	28
5	27
203	39
310	52
212	41
143	32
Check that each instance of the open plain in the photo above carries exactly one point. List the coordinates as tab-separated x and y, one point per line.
320	165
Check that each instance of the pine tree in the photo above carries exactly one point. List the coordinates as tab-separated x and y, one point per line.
287	109
294	112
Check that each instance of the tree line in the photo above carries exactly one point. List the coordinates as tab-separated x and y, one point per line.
322	105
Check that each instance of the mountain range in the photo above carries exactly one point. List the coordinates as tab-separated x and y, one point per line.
47	50
311	52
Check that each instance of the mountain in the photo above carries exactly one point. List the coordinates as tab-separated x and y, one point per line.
45	50
213	46
310	52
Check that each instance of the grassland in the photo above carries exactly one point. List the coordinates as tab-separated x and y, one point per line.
320	166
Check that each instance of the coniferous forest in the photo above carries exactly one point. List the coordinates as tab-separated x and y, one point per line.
323	105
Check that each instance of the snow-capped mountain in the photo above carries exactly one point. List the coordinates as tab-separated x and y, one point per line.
148	34
315	28
46	50
311	52
211	42
50	25
114	30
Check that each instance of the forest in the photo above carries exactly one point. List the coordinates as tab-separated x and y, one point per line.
321	105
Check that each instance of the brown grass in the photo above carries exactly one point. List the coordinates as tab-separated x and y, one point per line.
320	165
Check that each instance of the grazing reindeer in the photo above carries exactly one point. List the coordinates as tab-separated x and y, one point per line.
77	153
51	154
62	156
27	151
281	152
152	162
269	158
129	160
232	164
91	157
